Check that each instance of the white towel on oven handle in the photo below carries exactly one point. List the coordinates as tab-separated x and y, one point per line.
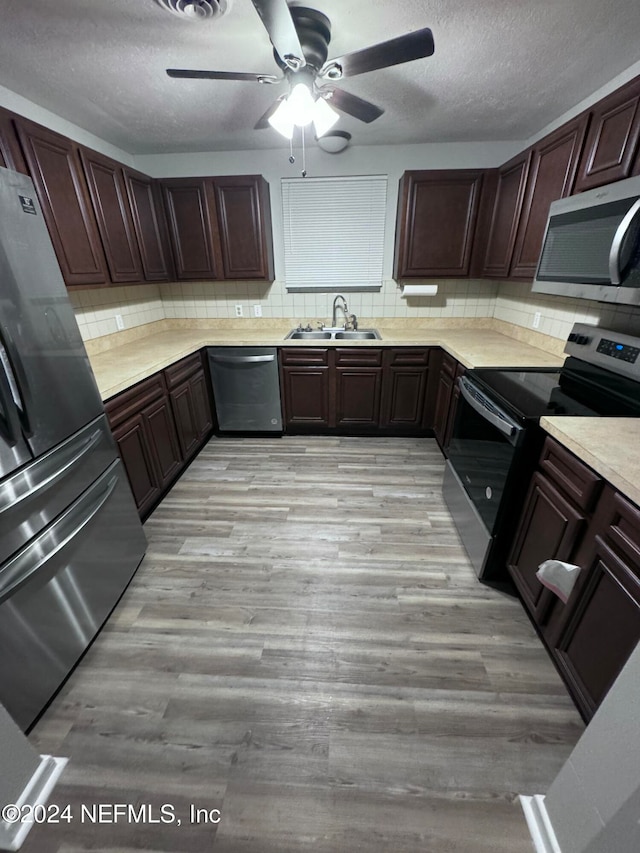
559	577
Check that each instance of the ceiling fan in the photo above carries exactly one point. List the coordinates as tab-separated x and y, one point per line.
300	37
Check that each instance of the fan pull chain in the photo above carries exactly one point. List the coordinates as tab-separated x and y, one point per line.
292	159
304	158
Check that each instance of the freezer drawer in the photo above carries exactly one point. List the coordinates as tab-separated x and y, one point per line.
33	496
57	591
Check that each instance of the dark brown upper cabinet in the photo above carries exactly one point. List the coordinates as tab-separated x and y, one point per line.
244	221
436	220
10	154
113	214
501	240
554	161
613	139
149	224
191	228
55	167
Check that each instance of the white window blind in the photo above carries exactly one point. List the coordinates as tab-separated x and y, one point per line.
334	232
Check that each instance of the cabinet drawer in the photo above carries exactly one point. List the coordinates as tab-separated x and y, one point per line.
575	478
622	520
358	357
449	365
304	355
182	369
131	401
407	357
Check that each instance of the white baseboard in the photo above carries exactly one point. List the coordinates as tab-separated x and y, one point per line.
540	827
36	792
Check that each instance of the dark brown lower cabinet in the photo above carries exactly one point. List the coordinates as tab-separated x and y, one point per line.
159	424
191	404
404	390
147	440
358	397
446	399
592	635
357	389
602	628
549	529
134	446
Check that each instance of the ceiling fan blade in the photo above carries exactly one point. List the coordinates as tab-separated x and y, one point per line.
279	24
263	121
222	75
393	52
352	104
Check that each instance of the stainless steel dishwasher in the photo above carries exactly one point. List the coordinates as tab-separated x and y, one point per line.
246	388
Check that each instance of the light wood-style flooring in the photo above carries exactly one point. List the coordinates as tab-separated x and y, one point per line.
306	648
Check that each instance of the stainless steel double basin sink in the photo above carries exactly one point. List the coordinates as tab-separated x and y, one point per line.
334	335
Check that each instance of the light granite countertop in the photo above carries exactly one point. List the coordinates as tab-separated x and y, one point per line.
608	445
119	367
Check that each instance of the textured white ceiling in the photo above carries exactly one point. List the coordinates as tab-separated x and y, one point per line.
502	69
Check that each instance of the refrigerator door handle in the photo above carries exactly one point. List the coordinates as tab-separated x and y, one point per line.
16	377
9	418
45	472
57	536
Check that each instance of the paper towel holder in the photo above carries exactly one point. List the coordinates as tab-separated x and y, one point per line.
417	290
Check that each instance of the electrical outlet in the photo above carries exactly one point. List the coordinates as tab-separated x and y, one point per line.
257	310
238	310
119	322
536	319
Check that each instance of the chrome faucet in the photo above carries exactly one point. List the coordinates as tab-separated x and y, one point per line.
344	309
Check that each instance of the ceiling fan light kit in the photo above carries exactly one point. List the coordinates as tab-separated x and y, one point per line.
300	37
334	141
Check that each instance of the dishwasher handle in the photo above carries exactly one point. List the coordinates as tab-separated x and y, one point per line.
241	359
488	410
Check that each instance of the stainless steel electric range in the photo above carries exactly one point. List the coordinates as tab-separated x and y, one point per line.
497	438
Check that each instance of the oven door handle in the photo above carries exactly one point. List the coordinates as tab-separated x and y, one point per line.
489	411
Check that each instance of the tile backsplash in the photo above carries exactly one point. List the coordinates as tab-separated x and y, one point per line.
511	302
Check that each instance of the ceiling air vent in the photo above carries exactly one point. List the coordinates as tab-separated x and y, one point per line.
196	10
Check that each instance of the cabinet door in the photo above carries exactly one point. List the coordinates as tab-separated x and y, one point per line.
244	221
613	139
358	397
111	206
149	225
54	165
185	418
202	409
549	528
403	392
306	397
437	214
133	444
512	178
602	629
551	176
443	400
453	405
10	154
163	440
190	228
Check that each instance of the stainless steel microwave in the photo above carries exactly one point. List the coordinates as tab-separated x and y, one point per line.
591	247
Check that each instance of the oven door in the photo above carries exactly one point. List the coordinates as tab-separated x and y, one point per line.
483	449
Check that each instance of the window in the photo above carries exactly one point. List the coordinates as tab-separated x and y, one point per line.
334	232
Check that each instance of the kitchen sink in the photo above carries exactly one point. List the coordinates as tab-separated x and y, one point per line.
309	336
334	334
361	335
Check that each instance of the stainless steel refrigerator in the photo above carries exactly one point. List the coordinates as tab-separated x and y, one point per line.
70	536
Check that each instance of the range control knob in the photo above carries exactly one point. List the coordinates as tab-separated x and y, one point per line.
581	340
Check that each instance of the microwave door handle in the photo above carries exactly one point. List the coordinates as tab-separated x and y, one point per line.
618	239
506	427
